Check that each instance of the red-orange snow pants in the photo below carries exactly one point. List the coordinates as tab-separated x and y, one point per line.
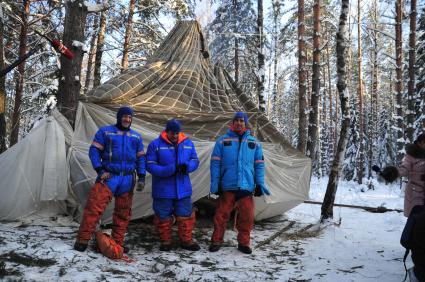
99	198
244	221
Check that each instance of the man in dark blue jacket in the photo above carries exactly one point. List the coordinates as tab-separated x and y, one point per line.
237	172
170	159
116	154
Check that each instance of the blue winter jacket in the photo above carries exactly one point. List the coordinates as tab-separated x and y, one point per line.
162	158
237	163
117	151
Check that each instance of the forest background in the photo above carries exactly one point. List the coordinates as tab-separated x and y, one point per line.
282	53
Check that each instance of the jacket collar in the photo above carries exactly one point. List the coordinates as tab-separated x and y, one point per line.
234	134
181	138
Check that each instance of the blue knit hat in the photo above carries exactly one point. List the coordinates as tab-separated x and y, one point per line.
123	111
241	115
173	125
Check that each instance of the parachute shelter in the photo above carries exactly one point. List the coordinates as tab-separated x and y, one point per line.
178	81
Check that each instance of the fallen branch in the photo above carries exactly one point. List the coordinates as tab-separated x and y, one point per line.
275	235
379	209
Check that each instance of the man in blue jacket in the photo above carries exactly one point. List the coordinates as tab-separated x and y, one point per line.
237	173
170	159
116	154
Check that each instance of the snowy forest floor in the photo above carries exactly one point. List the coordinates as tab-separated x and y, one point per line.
356	246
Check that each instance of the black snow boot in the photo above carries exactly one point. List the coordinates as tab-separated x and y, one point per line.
214	247
80	246
165	247
190	247
244	249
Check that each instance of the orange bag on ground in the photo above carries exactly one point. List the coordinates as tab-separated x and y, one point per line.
108	247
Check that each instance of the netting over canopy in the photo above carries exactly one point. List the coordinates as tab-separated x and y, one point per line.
178	81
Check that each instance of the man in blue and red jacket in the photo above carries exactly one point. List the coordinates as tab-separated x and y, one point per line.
117	155
237	173
170	159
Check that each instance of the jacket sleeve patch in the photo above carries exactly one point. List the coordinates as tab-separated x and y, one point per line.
251	145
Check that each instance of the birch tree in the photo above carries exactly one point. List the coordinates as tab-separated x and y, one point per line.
341	38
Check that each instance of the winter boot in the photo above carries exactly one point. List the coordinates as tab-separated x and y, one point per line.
121	217
214	247
163	226
244	249
80	246
185	225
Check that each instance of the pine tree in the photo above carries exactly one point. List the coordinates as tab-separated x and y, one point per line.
236	20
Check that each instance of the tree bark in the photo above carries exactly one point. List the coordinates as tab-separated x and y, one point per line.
14	135
399	79
360	164
328	201
373	122
315	86
411	114
92	53
99	50
302	103
235	12
2	92
70	84
261	58
127	38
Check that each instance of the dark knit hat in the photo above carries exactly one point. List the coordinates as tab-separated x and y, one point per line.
241	115
173	125
123	111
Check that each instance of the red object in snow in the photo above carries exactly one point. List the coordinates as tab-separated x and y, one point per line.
59	47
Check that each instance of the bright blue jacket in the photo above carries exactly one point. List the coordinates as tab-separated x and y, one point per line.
237	163
162	158
117	151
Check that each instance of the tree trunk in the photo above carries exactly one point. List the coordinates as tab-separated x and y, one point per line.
70	84
276	14
261	64
411	114
360	164
92	53
99	50
127	38
332	121
399	79
302	104
14	135
235	12
2	91
373	122
328	201
315	86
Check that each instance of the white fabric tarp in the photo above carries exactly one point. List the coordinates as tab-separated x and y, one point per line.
34	171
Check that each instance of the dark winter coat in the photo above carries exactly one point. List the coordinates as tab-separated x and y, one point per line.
162	159
418	247
413	167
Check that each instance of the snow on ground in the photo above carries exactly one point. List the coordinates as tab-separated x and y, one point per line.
356	246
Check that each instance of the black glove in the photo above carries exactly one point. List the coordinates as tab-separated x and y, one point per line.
182	169
257	191
376	169
423	177
140	183
390	173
